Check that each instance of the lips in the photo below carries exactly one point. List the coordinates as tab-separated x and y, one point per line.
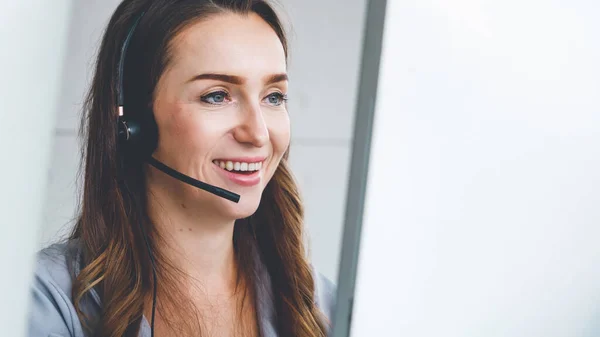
241	171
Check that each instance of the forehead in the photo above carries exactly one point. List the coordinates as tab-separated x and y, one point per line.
243	45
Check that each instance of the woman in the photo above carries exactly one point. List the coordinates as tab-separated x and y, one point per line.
204	81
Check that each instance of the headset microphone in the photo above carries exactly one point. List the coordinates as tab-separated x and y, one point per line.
194	182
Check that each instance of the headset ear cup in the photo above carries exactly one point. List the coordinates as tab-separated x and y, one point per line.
131	137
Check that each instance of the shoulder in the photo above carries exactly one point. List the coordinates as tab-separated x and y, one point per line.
55	264
51	310
325	294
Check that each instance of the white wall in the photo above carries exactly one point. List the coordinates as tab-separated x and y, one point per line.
325	54
483	206
33	39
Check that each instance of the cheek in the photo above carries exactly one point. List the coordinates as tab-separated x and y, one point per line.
174	130
189	132
178	136
279	133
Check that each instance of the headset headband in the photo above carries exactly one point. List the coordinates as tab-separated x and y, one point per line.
120	89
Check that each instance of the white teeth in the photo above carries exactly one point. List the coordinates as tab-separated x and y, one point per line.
238	166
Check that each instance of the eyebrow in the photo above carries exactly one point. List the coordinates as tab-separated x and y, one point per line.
276	78
237	79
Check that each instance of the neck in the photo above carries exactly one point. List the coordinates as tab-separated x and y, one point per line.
198	243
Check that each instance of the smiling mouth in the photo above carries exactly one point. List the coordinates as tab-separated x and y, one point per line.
239	167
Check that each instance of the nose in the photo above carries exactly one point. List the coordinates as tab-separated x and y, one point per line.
252	128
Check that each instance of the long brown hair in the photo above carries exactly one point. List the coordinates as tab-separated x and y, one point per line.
113	219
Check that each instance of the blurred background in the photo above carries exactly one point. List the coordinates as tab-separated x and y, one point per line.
324	66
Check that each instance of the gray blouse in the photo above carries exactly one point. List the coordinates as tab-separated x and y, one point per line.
52	313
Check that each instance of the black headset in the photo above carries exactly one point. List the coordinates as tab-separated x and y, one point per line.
129	134
126	130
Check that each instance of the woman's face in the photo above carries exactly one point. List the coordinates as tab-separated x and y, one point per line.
221	113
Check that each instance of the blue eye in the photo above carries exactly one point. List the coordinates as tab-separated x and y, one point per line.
276	98
217	97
